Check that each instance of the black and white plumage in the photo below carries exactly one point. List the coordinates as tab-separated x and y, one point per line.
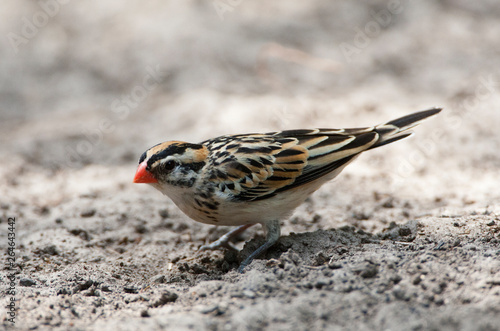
259	178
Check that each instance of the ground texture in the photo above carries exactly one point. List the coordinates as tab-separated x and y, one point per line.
407	238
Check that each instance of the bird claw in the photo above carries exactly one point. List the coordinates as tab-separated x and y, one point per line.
223	242
219	244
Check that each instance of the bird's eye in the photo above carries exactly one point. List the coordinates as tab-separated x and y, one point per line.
169	165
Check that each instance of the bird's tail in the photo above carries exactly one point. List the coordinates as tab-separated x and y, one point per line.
398	129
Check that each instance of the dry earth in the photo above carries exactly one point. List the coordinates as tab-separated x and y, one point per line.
407	238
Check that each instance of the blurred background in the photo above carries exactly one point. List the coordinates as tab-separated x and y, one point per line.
87	86
92	84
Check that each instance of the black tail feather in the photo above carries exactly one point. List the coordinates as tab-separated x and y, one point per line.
398	129
413	119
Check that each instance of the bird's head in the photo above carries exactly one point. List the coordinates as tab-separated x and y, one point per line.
171	163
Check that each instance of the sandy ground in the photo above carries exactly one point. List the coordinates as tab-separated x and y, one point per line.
407	238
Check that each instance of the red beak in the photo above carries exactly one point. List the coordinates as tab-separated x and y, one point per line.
144	176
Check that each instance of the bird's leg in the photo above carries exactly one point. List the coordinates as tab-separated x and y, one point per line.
224	240
272	231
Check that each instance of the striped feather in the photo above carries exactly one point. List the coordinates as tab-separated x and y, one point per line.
265	164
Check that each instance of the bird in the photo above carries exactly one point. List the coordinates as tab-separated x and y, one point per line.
246	179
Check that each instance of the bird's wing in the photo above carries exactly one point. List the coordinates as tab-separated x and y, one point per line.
256	167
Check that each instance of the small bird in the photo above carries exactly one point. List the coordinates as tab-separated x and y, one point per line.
246	179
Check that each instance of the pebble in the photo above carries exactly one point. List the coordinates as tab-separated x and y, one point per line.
320	283
308	285
400	294
417	280
141	229
334	265
105	288
63	291
249	294
159	279
165	298
83	234
130	289
26	282
163	213
404	231
396	279
51	250
89	212
369	272
207	309
83	286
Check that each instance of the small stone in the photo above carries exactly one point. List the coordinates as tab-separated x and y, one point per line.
105	288
83	234
417	280
44	210
26	282
396	279
50	250
389	203
83	286
400	294
75	313
249	294
163	213
334	265
207	309
320	283
404	231
165	298
89	212
308	285
316	218
141	228
92	292
63	291
440	288
145	313
131	289
369	272
159	279
222	308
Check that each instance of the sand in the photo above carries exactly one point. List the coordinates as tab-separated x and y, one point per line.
406	238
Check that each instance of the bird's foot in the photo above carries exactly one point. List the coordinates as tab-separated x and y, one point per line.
224	241
272	230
